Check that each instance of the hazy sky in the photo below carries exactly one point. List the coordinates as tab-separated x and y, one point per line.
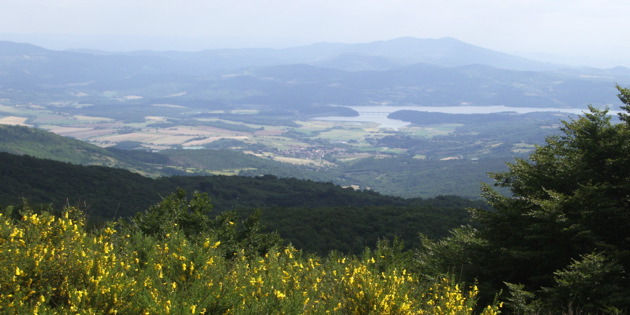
588	32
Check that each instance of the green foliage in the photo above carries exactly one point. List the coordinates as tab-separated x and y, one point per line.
175	212
461	249
624	96
560	240
351	229
591	284
521	301
392	254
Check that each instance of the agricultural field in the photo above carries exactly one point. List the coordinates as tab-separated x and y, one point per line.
435	156
13	120
306	142
310	142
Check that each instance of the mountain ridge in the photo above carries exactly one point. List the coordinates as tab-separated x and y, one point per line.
323	74
400	51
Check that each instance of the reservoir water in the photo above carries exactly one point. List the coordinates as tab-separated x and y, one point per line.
378	114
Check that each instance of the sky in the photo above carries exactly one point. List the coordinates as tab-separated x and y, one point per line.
576	32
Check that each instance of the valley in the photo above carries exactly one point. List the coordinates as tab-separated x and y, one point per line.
319	141
307	112
420	159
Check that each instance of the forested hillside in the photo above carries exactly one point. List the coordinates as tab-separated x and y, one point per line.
314	216
46	145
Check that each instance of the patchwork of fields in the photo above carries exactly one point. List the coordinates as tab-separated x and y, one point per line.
316	143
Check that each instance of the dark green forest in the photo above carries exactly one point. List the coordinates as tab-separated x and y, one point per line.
314	216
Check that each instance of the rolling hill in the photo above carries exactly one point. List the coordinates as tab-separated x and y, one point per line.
314	216
42	144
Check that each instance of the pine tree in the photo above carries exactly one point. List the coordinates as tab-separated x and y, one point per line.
569	208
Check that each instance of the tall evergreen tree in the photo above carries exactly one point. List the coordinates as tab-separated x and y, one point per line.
565	228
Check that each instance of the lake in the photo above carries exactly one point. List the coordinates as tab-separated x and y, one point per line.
378	114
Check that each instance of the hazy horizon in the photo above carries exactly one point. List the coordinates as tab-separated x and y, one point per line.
586	32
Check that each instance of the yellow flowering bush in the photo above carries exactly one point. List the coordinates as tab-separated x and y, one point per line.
53	264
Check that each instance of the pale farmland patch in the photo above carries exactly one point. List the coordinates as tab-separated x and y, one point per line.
200	131
79	132
219	131
131	97
168	105
244	111
155	118
353	156
178	94
84	118
207	140
155	138
14	120
148	138
298	161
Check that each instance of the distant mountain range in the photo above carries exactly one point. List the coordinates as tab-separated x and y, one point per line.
401	71
380	55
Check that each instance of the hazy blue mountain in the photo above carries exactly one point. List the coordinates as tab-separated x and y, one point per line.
422	84
399	72
12	48
442	52
378	55
589	72
357	62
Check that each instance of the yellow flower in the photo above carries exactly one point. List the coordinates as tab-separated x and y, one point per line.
279	294
168	306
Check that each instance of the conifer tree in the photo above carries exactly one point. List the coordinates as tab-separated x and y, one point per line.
566	221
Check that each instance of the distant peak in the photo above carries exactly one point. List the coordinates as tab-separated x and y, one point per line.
450	39
14	48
